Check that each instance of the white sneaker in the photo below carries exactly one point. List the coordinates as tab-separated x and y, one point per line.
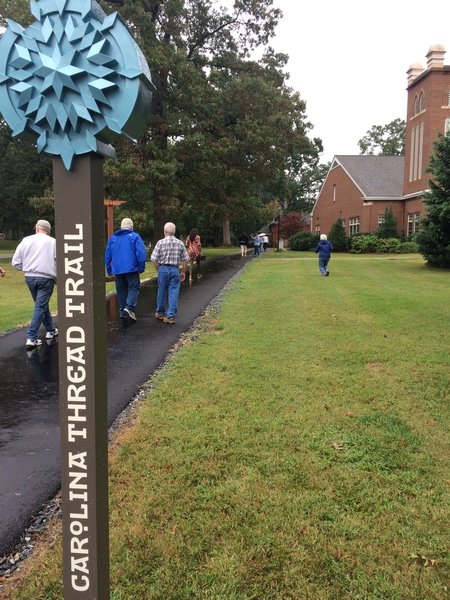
29	344
51	334
129	313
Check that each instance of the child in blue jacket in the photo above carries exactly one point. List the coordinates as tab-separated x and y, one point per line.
324	248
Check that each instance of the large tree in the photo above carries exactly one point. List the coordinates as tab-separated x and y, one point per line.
255	124
223	126
184	41
23	174
434	233
386	139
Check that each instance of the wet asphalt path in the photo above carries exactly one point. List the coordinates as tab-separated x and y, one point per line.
29	426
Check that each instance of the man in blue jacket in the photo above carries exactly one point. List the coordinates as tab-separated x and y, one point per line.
125	258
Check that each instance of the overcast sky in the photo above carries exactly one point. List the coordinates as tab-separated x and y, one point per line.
349	59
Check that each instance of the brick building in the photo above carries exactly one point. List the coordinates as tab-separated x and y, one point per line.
358	189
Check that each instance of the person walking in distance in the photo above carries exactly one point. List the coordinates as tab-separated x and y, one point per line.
168	254
125	256
324	248
194	248
35	256
256	244
243	243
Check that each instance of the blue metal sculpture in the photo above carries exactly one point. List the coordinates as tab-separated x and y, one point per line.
75	79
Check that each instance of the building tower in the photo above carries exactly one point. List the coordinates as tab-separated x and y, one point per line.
428	114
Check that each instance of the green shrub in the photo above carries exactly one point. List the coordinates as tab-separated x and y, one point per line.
303	240
370	242
364	243
408	248
388	244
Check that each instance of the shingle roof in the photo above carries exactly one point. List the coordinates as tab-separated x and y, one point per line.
376	176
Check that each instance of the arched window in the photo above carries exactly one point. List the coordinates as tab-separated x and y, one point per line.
447	127
421	101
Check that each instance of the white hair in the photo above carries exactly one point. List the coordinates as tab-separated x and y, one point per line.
323	236
169	228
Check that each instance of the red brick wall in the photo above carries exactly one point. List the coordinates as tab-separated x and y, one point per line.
435	85
348	203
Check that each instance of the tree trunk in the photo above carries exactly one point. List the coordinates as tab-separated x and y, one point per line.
159	220
226	232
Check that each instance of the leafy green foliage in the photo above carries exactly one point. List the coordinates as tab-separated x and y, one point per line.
23	174
367	243
19	10
338	237
385	139
225	135
303	241
410	247
222	127
434	234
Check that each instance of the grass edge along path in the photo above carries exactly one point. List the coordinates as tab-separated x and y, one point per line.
295	447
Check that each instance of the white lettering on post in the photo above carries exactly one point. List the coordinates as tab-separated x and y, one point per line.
76	406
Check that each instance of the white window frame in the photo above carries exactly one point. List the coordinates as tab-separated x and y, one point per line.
447	127
413	223
353	225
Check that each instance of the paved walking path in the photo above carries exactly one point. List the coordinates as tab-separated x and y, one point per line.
29	427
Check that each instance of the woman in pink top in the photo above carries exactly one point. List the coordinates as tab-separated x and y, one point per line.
194	249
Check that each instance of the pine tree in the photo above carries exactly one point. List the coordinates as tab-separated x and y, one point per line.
434	235
388	229
338	237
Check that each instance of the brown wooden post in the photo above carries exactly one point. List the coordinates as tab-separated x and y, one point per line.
110	204
79	220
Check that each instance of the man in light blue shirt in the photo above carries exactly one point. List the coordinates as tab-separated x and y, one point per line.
168	254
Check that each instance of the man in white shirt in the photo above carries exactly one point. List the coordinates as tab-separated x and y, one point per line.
36	257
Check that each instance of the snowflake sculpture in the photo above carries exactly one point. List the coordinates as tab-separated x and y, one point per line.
75	79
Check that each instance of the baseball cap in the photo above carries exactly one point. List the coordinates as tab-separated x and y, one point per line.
43	224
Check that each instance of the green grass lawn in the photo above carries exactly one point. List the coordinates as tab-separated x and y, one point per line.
7	246
298	449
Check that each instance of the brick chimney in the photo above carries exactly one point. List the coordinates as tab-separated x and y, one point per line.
435	57
414	71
